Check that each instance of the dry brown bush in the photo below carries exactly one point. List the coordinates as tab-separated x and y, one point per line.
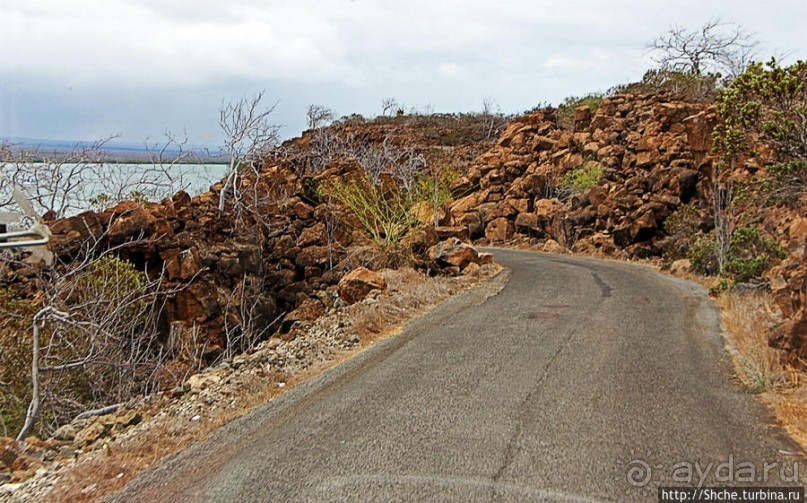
749	318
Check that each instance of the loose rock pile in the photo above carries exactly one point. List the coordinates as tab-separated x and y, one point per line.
655	155
652	155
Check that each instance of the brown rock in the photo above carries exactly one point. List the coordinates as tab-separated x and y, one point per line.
452	253
529	223
196	303
469	203
597	195
126	418
473	223
65	433
543	143
424	239
600	121
698	129
170	259
622	236
9	451
681	266
646	159
485	258
309	310
499	230
133	221
547	207
797	233
534	185
798	336
472	269
312	256
519	205
312	236
189	263
582	118
181	199
644	227
791	337
460	232
358	283
91	434
684	183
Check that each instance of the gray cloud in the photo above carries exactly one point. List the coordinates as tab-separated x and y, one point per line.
86	68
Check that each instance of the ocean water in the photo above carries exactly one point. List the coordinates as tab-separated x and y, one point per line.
70	188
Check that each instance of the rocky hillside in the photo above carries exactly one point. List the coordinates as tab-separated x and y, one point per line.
279	252
618	183
279	262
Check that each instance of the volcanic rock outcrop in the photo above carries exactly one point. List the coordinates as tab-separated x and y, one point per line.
654	154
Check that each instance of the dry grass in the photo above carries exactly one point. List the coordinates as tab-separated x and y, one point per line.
749	318
791	411
411	295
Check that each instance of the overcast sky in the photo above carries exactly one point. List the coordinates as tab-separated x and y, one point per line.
84	69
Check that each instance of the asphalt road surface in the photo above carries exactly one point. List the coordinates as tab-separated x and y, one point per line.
581	380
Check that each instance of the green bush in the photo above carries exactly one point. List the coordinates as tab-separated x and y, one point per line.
431	189
682	227
748	239
749	255
703	255
583	177
769	103
784	182
742	270
110	343
15	360
386	216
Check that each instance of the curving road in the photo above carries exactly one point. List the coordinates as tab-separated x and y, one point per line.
581	380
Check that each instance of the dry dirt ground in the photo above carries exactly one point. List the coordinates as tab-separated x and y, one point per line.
110	450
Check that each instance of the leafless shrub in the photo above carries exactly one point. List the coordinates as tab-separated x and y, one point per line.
109	341
716	47
390	106
248	136
257	197
493	117
724	212
93	332
327	144
244	326
56	183
319	116
405	164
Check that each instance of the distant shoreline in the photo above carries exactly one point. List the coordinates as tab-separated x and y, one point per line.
118	152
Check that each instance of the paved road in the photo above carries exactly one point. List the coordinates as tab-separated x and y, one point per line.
578	376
